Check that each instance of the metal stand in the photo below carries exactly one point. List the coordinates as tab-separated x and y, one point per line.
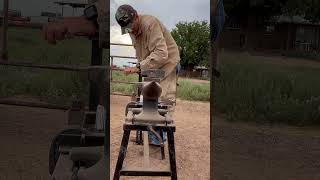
148	116
77	153
120	171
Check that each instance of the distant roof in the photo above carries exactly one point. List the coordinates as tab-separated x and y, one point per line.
73	3
201	67
294	20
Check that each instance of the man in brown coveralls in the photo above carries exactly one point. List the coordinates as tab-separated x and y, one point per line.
155	49
154	45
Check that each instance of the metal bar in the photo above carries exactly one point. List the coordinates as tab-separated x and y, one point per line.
117	69
140	80
164	127
4	38
111	68
120	44
33	104
144	172
213	63
51	66
106	94
120	94
126	57
126	82
26	25
122	154
96	59
172	155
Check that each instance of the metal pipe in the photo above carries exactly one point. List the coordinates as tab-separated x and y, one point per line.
26	25
51	66
120	44
213	63
127	57
33	104
111	68
4	38
96	60
126	82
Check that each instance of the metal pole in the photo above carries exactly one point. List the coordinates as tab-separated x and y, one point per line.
96	59
120	44
111	69
105	34
4	38
213	51
34	104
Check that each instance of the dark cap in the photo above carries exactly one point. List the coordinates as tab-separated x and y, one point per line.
125	16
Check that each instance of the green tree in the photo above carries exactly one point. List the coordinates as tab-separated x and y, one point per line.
193	39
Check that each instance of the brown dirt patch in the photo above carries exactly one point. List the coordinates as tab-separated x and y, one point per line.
26	135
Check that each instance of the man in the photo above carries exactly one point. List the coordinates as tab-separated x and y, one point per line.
154	45
155	49
93	21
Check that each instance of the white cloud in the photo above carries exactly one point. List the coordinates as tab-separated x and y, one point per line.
117	37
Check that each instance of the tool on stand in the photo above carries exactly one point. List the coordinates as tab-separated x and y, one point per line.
149	115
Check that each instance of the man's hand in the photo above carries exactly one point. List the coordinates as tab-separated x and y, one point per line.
130	70
55	31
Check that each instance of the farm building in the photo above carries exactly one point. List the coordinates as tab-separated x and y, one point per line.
201	71
282	33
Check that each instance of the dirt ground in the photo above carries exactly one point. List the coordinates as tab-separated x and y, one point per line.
241	151
250	152
26	133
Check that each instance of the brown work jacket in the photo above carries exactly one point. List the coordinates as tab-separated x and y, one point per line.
155	47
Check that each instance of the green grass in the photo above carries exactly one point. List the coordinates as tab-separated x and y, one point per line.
249	90
305	55
57	86
187	90
26	45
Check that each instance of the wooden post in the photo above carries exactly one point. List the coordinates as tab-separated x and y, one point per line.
146	159
4	36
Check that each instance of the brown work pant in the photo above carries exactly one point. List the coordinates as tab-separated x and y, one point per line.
169	89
